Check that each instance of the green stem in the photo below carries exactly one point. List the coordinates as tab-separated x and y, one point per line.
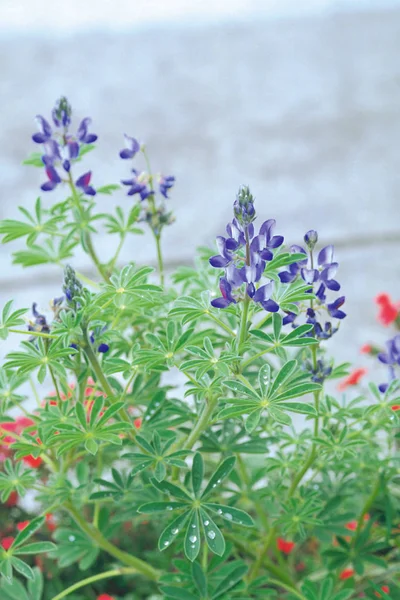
288	588
243	323
89	244
201	424
102	378
367	506
34	333
54	380
258	355
93	579
116	255
138	565
220	323
159	258
313	453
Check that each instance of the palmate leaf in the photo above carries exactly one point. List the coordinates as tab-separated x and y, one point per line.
10	319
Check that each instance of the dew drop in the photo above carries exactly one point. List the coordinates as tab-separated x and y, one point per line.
211	534
219	512
193	546
175	531
218	481
214	485
169	508
193	526
206	523
193	539
228	516
71	538
166	543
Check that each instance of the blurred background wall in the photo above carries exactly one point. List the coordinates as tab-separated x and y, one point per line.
300	100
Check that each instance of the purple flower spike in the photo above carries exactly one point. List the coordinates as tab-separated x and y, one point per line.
45	131
166	183
54	179
84	184
132	147
82	133
226	291
334	308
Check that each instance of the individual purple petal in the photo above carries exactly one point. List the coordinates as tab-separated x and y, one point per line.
44	126
234	275
220	303
103	348
226	289
286	277
231	244
251	290
270	305
126	153
52	149
310	275
289	318
39	138
52	174
384	358
266	229
276	241
82	133
48	186
165	184
383	387
333	285
264	292
325	257
132	147
66	166
84	180
320	293
266	254
89	190
73	149
329	272
219	262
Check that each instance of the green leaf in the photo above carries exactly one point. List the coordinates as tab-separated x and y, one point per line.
192	537
253	420
237	386
298	390
34	160
177	593
214	538
15	590
170	488
6	569
276	325
160	471
285	372
199	578
28	531
172	530
230	581
231	514
35	585
264	379
22	567
220	474
91	446
298	407
197	473
36	548
279	415
156	507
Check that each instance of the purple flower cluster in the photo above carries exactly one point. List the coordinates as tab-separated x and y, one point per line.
243	255
142	184
391	358
322	276
61	148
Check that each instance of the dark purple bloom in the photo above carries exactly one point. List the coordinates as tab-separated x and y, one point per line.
334	308
225	256
83	135
289	318
103	348
138	185
45	131
166	183
84	184
392	354
132	147
263	296
54	179
264	242
226	291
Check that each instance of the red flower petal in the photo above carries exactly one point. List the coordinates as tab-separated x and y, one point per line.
352	379
285	546
346	574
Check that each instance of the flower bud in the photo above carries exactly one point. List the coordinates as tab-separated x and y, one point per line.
72	287
311	238
62	112
243	206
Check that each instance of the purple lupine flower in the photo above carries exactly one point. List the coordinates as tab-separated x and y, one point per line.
132	147
139	184
53	179
263	296
103	348
334	308
83	182
45	131
264	242
236	233
166	183
294	269
226	291
40	322
83	135
226	248
311	238
392	354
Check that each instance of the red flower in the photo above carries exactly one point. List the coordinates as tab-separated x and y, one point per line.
105	597
51	525
352	379
12	499
137	423
22	525
352	525
346	574
366	349
384	588
285	546
395	406
388	311
32	461
7	542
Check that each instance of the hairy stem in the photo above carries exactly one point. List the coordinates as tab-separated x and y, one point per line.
201	423
138	565
93	579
